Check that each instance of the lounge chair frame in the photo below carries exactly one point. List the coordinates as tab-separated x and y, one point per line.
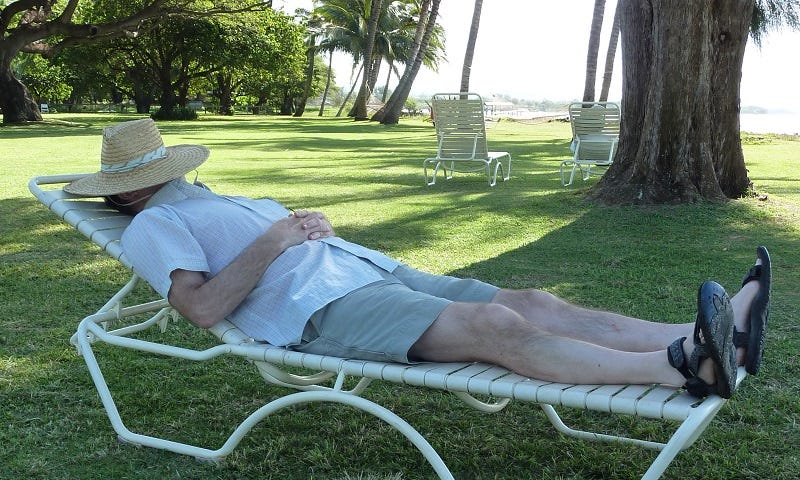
595	135
461	140
112	325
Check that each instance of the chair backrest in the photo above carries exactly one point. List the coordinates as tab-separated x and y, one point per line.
90	216
598	121
460	125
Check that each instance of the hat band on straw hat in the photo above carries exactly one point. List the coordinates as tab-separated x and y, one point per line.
157	154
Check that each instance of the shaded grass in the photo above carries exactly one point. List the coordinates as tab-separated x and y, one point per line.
528	232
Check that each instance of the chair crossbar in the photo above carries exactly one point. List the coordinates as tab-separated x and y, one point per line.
465	380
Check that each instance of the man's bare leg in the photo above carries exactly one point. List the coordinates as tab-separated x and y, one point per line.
554	315
612	330
496	334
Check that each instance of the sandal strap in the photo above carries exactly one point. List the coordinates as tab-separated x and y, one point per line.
740	339
677	359
698	388
753	274
695	385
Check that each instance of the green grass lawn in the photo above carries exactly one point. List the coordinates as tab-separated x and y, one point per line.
528	232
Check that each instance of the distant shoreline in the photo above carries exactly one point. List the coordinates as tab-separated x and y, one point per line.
782	123
778	123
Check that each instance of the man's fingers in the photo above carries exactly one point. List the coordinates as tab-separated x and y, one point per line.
315	222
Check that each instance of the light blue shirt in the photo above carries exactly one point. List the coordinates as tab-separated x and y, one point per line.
188	228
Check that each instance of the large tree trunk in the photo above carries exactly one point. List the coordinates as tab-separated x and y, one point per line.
732	27
143	98
679	138
167	102
376	66
15	100
287	106
224	92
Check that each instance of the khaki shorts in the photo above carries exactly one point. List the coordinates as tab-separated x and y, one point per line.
382	320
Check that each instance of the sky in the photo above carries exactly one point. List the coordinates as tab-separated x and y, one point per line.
536	50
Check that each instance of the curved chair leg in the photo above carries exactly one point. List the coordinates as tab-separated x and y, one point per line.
508	169
571	174
432	180
486	407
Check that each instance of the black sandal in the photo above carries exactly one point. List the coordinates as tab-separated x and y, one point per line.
715	323
753	339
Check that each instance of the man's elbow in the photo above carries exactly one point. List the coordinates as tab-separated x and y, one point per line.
201	318
187	296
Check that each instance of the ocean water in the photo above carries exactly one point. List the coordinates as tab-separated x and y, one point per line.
787	123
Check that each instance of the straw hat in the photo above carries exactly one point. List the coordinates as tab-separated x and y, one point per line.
134	157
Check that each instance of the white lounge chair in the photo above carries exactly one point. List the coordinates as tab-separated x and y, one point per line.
461	139
116	324
595	134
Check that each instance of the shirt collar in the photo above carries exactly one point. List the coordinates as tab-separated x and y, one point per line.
178	190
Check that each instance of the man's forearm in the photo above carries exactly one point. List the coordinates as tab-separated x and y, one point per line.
205	302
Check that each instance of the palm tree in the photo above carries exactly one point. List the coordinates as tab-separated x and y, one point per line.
428	48
345	31
594	48
360	107
610	55
312	41
327	81
473	36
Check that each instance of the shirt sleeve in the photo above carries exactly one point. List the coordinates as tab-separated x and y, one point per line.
157	243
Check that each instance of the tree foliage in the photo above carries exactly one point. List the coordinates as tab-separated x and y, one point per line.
396	38
47	82
47	27
428	37
769	15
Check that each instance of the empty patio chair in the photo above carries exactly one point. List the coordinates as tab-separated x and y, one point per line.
595	134
461	138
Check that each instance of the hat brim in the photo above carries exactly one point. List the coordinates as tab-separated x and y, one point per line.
178	161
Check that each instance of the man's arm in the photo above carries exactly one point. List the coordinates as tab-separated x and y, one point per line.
205	302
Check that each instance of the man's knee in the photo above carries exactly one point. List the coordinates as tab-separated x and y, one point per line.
493	322
528	299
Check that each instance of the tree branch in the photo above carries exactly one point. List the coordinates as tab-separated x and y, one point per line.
69	11
15	8
82	33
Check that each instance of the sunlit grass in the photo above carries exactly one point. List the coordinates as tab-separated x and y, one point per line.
528	232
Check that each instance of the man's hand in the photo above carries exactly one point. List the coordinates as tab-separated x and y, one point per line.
314	224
